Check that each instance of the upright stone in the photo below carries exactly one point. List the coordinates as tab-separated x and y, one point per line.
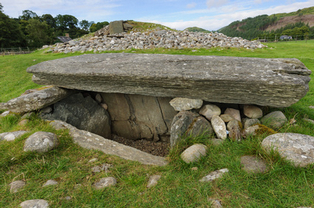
115	27
219	127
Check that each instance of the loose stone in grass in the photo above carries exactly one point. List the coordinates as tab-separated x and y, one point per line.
35	203
214	175
274	119
93	160
252	164
5	113
50	183
180	104
219	127
105	182
41	142
194	153
215	203
15	186
153	180
10	136
297	148
312	107
104	167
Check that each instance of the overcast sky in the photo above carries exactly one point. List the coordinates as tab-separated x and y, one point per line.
177	14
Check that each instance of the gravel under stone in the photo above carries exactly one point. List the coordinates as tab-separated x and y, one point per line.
154	148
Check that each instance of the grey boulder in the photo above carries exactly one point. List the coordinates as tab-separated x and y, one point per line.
297	148
35	203
83	113
41	142
36	100
193	153
274	119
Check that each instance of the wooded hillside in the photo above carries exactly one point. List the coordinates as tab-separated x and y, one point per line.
299	25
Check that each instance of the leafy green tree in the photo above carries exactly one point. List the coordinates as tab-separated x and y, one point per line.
10	33
49	19
27	15
1	8
38	33
85	25
94	27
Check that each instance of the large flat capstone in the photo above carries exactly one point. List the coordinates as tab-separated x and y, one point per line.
265	82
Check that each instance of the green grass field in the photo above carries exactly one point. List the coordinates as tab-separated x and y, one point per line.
282	186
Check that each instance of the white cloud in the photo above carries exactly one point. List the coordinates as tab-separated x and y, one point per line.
85	8
216	3
218	21
191	5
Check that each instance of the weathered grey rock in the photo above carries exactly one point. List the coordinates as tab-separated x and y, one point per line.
16	186
234	130
250	122
274	119
193	153
116	27
277	82
214	175
93	160
200	126
34	203
83	113
180	124
36	100
51	183
210	110
5	113
139	117
252	111
234	113
215	203
180	104
104	167
252	164
10	136
92	141
153	180
219	127
105	182
41	142
311	107
297	148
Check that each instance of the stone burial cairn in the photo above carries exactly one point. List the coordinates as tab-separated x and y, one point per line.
131	95
117	36
164	97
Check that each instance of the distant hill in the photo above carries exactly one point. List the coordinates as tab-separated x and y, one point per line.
298	24
196	29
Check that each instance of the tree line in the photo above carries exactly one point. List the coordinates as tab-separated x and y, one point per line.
31	30
253	28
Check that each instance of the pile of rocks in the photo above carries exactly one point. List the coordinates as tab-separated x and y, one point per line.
153	39
236	122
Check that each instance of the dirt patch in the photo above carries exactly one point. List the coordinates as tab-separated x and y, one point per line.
307	19
154	148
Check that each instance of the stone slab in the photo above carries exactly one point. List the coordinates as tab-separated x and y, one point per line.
241	80
92	141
